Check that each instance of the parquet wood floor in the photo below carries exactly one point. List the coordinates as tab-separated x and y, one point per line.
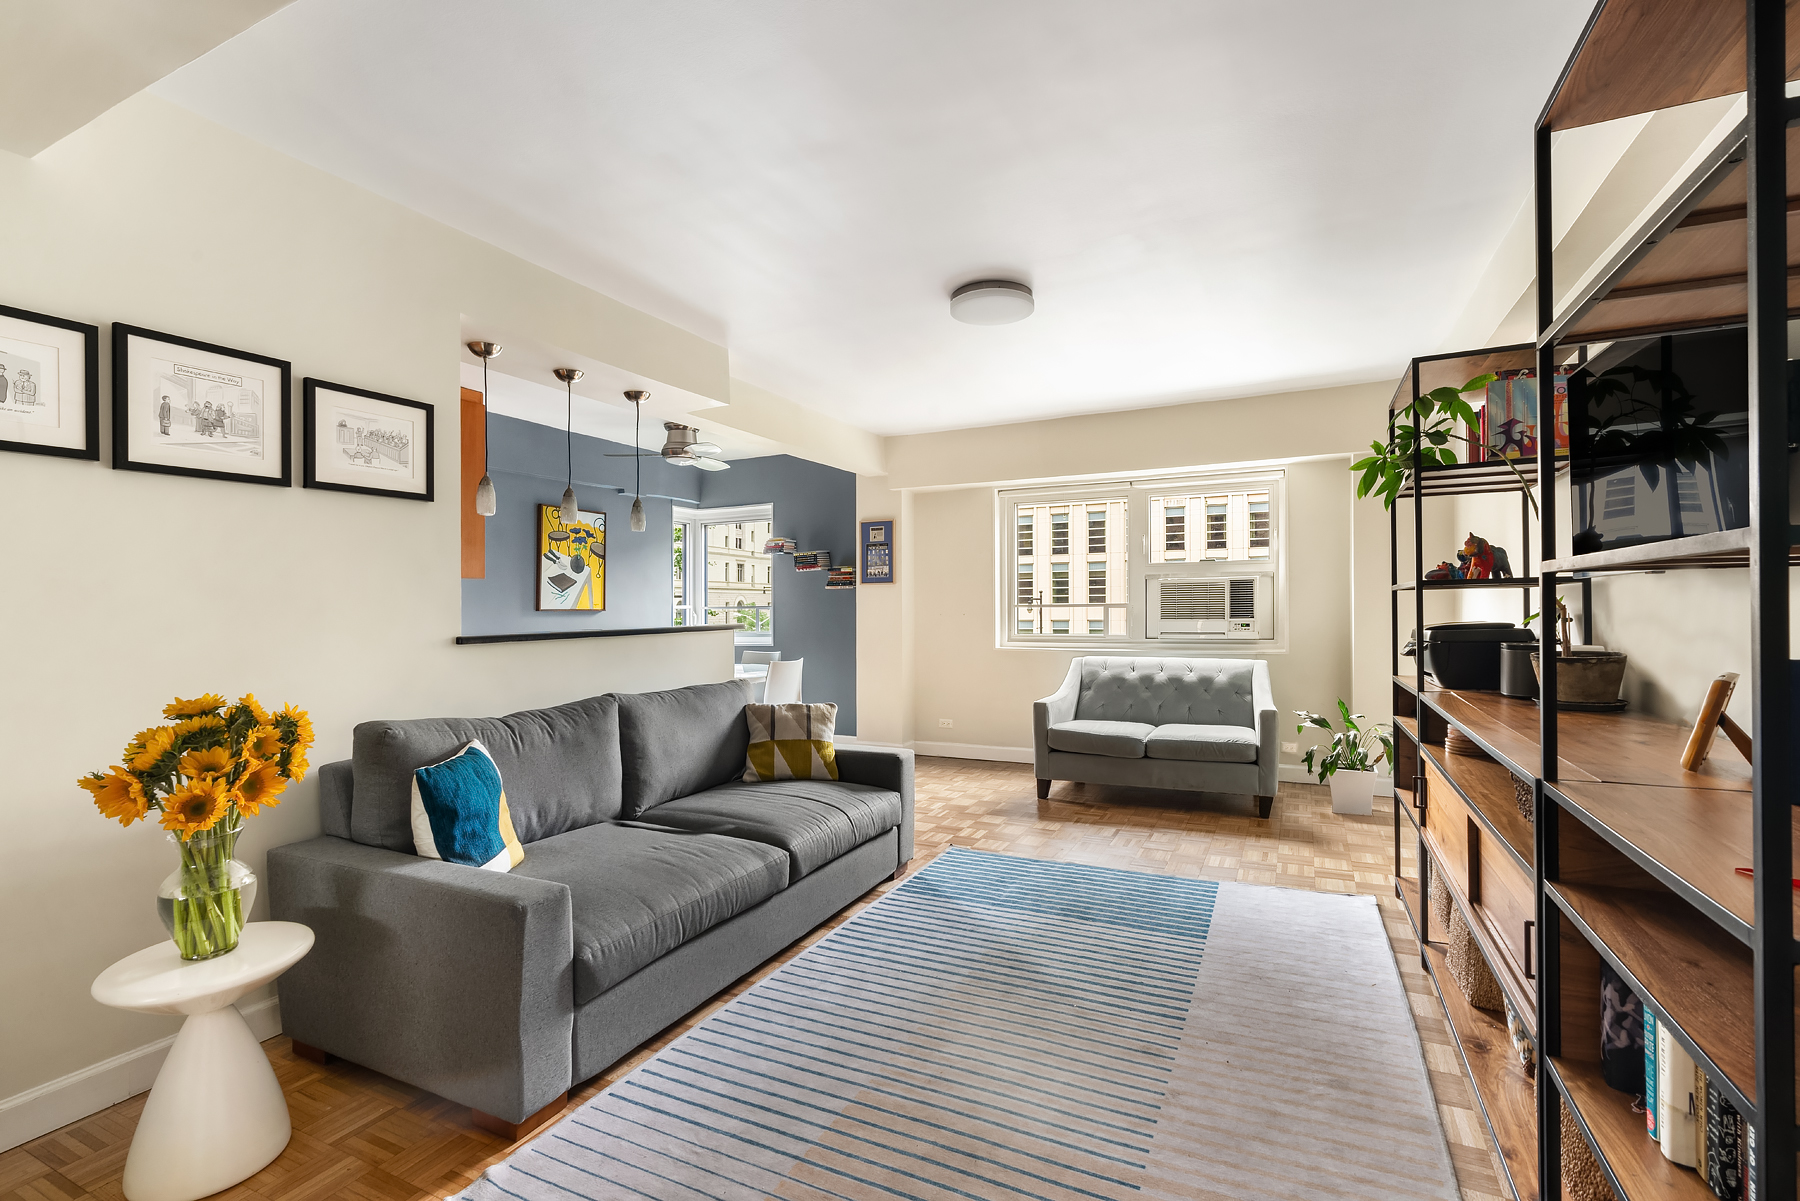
362	1136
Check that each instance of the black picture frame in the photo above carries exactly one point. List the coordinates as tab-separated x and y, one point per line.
121	397
90	358
309	388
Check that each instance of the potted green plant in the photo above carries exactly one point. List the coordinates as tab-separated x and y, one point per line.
1443	417
1348	765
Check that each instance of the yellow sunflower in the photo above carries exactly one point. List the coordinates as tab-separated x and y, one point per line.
196	807
212	702
261	785
208	762
296	766
149	747
118	795
249	701
195	725
303	731
263	742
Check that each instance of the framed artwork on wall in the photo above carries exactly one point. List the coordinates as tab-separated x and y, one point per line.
49	385
354	440
571	565
183	407
875	556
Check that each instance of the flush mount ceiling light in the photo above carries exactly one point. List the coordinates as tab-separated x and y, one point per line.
991	302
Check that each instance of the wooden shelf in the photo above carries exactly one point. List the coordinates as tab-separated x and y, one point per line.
1635	1164
1637	56
1456	369
1518	990
1501	1088
1692	839
1488	788
1465	585
1676	962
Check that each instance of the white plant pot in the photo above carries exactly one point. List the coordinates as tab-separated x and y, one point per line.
1353	792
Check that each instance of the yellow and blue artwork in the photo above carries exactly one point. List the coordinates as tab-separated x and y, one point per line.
571	560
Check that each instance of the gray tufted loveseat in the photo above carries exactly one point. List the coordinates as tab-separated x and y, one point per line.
1207	725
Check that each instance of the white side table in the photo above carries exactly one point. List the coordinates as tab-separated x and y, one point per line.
216	1115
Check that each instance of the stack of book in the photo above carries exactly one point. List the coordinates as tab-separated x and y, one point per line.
841	577
812	560
780	546
1690	1118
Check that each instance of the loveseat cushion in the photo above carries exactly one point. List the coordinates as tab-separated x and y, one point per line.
561	767
814	821
636	892
1203	744
683	741
1162	692
1120	739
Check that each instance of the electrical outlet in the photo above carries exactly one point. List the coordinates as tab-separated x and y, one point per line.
1290	748
944	723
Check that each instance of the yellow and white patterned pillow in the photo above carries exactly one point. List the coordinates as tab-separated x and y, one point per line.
791	742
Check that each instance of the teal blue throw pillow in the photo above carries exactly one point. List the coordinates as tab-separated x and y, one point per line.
459	812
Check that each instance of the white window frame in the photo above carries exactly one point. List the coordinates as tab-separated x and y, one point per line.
1138	566
694	567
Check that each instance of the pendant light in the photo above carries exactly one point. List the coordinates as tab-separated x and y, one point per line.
571	512
487	501
637	501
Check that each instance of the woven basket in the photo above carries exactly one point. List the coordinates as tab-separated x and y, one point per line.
1522	798
1440	903
1470	970
1582	1178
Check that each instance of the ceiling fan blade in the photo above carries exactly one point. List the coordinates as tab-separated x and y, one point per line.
704	448
682	461
706	464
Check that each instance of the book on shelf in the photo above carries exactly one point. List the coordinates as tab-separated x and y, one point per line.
1724	1168
1676	1121
1650	1107
1622	1052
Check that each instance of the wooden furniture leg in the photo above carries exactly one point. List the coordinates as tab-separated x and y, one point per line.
311	1053
514	1132
1264	804
1043	790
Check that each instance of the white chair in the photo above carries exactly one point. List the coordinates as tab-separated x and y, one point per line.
760	656
783	686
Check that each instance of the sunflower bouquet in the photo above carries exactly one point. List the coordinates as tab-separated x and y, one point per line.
214	765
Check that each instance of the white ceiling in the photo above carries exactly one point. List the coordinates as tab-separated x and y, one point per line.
1211	198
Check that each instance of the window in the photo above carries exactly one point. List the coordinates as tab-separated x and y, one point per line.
734	583
1215	535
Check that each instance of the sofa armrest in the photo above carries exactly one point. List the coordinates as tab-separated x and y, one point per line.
883	767
1054	709
1268	730
450	978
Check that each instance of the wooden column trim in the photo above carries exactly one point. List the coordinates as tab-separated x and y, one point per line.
474	456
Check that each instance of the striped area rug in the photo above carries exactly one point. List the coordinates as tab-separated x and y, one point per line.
999	1027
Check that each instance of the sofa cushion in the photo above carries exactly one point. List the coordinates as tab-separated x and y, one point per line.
1160	692
1204	744
561	768
814	821
676	743
637	892
1120	739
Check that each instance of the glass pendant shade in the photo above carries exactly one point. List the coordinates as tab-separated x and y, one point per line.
487	501
637	515
570	513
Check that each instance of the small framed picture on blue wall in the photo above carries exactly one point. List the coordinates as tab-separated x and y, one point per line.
876	554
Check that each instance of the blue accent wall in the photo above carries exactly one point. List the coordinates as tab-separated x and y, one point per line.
640	587
814	504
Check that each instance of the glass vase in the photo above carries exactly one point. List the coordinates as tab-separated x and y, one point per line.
205	902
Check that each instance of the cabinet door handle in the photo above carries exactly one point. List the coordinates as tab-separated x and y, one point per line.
1529	926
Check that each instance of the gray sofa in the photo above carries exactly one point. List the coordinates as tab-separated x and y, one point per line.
653	878
1207	725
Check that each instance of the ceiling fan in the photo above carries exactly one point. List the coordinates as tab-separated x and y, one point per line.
683	448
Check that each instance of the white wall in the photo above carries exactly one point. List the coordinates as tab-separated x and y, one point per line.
123	589
937	629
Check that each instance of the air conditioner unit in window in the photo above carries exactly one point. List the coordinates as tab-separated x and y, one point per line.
1210	604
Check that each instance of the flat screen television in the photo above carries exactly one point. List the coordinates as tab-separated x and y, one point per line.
1659	440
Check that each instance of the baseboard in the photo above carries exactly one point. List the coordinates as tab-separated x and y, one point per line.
37	1111
967	750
